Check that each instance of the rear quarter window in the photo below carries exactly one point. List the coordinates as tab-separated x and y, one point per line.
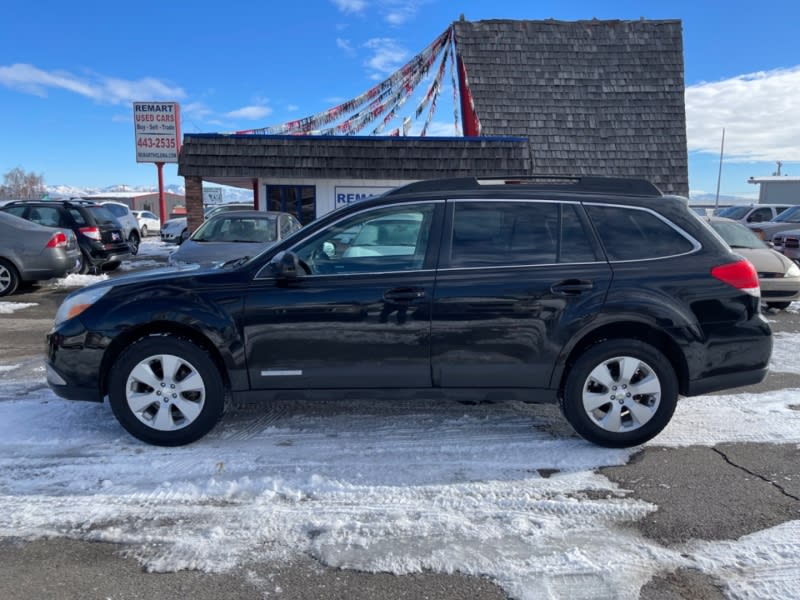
634	234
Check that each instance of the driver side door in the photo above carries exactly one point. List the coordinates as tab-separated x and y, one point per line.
360	318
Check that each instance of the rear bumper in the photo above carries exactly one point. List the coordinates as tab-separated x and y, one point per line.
727	381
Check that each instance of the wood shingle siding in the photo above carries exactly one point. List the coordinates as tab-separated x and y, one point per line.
593	97
369	157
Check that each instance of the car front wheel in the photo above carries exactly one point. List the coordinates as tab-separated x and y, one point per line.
166	390
620	393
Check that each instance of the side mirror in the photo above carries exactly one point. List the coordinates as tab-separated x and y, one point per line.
285	266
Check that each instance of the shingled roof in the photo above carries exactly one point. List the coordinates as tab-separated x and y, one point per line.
593	97
214	156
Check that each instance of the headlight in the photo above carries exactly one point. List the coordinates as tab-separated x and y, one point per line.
792	271
75	305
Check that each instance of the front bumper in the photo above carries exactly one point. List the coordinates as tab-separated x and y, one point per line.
780	289
73	362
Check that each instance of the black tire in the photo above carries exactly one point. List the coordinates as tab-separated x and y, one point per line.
133	242
84	264
111	265
778	305
608	420
144	231
9	278
164	414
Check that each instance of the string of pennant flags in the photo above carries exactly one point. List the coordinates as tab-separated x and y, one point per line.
383	101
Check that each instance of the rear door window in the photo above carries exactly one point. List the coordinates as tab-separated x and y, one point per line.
634	234
500	233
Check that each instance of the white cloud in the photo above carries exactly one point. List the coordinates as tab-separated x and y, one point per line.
250	112
757	110
388	56
32	80
292	107
345	45
350	6
399	12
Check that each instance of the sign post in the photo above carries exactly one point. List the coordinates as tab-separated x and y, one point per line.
157	126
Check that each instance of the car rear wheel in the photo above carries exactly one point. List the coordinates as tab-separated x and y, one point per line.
9	278
166	390
84	264
620	393
144	231
133	242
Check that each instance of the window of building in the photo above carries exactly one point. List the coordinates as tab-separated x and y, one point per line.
298	200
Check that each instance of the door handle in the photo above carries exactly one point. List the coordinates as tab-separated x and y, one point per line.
403	294
571	287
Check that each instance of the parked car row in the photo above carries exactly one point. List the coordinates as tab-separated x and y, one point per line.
101	238
783	232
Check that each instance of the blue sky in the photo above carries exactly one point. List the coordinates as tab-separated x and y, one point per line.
69	72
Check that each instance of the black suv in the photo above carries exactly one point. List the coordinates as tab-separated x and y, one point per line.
600	294
100	237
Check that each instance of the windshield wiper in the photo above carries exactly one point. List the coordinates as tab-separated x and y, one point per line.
234	262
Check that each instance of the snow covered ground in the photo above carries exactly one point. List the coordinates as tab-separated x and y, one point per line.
504	490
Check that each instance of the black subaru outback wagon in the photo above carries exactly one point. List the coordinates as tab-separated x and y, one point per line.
600	294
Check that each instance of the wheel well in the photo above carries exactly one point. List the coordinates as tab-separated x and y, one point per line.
156	328
631	330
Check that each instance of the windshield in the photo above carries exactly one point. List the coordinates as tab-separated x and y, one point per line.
737	235
734	212
790	215
232	228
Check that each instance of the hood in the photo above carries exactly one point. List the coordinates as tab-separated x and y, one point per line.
212	253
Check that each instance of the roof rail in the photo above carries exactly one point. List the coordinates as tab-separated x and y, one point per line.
608	185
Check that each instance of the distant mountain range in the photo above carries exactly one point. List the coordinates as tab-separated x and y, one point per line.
229	194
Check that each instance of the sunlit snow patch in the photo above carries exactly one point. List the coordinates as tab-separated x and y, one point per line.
76	280
785	350
7	308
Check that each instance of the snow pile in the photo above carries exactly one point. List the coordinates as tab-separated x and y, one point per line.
7	308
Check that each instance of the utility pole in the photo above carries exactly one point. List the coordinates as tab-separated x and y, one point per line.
719	176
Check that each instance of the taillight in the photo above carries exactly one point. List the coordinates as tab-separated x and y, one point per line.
59	240
91	232
742	275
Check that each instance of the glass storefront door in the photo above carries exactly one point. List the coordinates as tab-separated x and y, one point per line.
299	200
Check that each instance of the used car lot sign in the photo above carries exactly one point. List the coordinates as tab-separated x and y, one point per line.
157	128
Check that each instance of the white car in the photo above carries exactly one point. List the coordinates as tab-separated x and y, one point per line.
130	226
149	223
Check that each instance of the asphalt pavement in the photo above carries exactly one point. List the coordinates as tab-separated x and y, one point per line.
708	493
